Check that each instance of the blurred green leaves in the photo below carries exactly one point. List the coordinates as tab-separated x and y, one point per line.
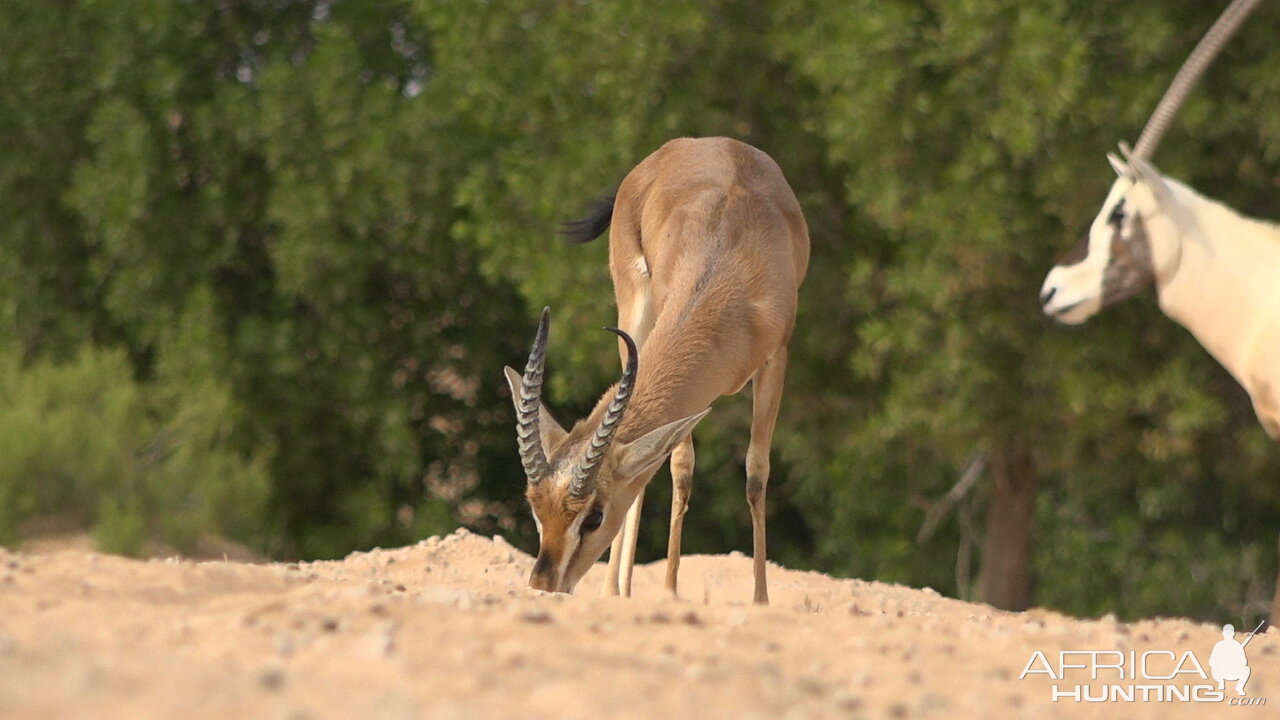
294	243
83	441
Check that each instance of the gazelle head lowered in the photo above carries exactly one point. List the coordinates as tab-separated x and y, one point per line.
1134	242
581	481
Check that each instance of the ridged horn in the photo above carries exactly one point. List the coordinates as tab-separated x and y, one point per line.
1199	59
528	433
584	474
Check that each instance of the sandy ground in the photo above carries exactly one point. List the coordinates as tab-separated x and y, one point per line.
445	629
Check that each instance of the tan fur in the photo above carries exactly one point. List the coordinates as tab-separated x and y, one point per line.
707	251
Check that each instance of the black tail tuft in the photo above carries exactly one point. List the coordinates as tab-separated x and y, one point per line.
576	232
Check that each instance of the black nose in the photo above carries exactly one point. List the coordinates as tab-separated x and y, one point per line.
1047	295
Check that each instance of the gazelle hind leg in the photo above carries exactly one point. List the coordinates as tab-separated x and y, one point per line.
630	272
766	391
681	483
630	534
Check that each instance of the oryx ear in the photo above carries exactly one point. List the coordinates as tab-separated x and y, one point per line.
1118	165
649	451
548	428
1144	172
1149	176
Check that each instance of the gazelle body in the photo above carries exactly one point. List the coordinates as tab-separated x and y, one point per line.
707	251
1215	272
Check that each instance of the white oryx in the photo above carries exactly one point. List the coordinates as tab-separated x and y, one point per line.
1215	271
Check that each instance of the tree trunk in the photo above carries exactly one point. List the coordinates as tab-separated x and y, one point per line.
1005	578
1275	601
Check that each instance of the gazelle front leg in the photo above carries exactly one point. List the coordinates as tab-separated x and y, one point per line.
630	535
766	391
610	586
622	553
681	483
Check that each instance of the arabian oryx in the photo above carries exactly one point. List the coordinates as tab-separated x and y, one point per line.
707	251
1215	271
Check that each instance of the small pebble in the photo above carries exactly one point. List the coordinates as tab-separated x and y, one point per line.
271	678
537	616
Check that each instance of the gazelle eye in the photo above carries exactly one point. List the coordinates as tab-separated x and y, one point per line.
595	516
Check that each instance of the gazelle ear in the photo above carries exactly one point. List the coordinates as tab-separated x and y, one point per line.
548	428
1118	165
648	451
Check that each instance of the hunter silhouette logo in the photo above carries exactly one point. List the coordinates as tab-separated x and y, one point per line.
1133	676
1228	661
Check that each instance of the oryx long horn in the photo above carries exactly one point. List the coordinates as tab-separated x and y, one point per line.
528	434
1200	58
584	474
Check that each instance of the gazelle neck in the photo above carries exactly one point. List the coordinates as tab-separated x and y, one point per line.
669	386
1226	289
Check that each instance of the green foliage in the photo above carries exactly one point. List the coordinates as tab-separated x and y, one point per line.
83	440
316	231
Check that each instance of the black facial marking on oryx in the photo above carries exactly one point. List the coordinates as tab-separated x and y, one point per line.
1129	268
1117	215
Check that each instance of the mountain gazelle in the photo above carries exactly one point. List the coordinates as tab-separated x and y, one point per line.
1215	271
707	250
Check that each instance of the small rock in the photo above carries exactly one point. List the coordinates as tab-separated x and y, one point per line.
846	700
536	615
271	678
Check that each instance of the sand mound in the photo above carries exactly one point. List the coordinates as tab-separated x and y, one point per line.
445	629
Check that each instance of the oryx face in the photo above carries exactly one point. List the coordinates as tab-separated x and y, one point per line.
1114	261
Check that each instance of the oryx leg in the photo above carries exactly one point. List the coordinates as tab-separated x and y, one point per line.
681	483
766	391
